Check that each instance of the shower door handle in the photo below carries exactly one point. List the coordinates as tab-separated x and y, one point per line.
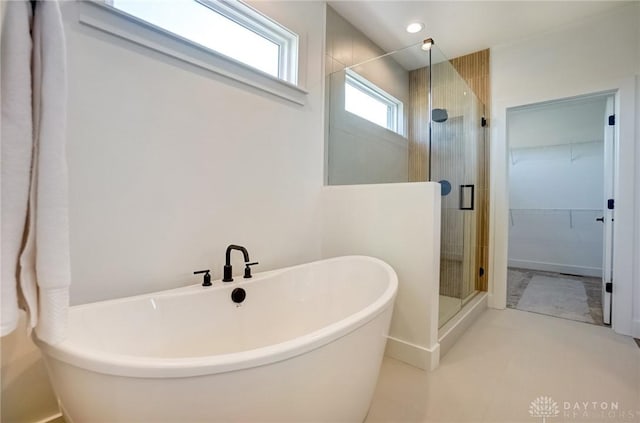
467	197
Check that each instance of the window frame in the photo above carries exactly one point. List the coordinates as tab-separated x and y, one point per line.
250	18
100	15
395	107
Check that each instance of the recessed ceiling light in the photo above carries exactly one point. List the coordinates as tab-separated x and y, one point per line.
414	27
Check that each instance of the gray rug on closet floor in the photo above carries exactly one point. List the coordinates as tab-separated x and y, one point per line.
560	297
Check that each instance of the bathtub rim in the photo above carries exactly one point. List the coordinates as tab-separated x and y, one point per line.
156	367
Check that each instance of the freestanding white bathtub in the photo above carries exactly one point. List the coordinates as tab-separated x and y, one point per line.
305	346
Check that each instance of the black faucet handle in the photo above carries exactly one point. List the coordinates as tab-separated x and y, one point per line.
247	269
207	277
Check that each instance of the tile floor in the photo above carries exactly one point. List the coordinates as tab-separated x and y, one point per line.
508	359
518	280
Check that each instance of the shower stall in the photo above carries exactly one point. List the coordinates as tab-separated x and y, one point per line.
457	161
409	116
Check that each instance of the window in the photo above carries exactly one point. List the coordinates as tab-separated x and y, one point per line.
230	28
227	38
370	102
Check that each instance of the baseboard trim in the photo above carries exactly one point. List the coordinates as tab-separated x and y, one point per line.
454	328
555	267
415	355
635	329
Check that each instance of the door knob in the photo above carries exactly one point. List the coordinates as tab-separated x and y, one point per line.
600	219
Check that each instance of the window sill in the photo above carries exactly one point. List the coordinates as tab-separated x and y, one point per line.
114	22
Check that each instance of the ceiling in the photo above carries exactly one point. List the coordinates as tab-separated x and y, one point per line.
462	27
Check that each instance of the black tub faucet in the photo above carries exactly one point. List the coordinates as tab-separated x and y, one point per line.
228	269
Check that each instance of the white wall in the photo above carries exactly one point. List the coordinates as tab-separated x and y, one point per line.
358	151
168	164
400	224
562	64
556	186
558	122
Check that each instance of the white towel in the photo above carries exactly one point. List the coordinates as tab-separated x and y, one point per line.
17	144
44	264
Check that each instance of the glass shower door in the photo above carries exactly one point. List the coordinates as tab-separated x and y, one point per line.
456	156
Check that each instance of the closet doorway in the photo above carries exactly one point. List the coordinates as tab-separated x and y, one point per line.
561	207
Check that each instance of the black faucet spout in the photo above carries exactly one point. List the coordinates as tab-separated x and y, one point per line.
244	251
227	273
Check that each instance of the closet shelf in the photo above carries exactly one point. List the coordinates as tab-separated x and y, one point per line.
568	146
559	212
